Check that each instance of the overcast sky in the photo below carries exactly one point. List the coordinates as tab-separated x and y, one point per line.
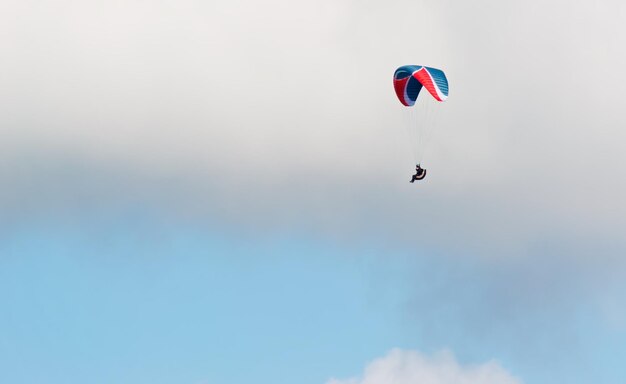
276	122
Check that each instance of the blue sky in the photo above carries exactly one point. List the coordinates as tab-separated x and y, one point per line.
217	192
138	301
192	306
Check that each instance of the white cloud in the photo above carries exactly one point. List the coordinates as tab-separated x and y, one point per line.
295	100
282	116
412	367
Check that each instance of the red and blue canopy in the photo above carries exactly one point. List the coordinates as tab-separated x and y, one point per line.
408	81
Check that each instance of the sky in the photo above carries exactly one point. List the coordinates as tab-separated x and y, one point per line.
216	192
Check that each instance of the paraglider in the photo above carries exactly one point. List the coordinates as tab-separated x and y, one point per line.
408	81
420	173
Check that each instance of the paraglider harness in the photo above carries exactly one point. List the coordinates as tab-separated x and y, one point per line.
420	173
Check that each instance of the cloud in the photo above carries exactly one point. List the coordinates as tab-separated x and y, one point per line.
409	367
294	102
281	117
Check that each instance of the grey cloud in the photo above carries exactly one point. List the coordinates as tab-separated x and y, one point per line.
284	110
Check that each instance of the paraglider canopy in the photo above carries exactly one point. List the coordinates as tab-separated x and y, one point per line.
408	81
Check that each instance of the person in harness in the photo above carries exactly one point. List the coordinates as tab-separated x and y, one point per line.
420	173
